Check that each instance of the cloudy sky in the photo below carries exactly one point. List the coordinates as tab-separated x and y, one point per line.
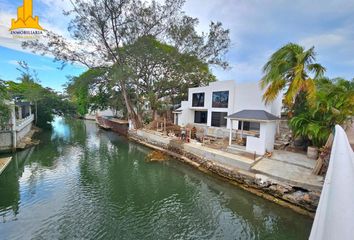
258	28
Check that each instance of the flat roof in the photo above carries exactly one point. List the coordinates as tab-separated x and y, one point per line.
23	104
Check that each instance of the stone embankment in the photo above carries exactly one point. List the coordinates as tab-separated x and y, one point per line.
295	196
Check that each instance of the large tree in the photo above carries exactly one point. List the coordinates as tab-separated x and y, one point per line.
160	74
82	90
291	70
100	27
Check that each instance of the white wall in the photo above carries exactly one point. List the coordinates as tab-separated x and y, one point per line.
242	96
249	96
186	116
20	133
265	141
208	90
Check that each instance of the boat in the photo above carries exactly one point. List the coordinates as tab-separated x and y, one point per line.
119	126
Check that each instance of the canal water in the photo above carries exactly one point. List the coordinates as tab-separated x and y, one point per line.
85	183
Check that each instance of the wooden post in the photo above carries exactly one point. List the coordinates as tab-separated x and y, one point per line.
320	161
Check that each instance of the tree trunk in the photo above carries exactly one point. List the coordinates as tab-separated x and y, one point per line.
154	115
137	123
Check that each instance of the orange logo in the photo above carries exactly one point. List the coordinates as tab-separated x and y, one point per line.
25	18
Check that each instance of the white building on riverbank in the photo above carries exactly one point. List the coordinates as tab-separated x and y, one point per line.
211	107
20	123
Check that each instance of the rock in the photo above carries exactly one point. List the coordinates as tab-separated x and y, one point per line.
156	156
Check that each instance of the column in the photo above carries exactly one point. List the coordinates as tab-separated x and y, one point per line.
19	112
13	126
230	137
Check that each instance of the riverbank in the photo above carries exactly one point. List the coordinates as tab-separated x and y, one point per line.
84	182
301	195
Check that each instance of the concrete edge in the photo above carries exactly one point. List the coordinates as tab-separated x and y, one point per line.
9	159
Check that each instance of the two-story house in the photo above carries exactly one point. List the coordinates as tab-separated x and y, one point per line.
210	105
224	107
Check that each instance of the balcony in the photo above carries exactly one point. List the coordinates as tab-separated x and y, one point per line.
21	123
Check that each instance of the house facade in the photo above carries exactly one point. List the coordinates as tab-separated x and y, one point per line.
210	105
20	123
227	109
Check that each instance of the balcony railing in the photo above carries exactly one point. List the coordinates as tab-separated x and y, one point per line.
21	123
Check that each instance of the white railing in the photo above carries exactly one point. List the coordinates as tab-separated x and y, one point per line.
21	123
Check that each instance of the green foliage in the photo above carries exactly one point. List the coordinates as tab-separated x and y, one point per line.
47	102
79	87
334	104
293	69
50	105
5	114
3	91
160	74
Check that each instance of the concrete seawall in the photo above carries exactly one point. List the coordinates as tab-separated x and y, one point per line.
236	171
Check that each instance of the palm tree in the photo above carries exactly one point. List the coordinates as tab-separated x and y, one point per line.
334	105
291	69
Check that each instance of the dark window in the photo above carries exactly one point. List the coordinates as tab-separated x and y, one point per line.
221	99
218	119
200	117
198	100
249	126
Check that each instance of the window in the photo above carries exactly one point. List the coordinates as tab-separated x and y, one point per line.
220	99
200	117
198	100
218	119
249	126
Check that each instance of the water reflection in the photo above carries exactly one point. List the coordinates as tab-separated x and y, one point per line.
85	183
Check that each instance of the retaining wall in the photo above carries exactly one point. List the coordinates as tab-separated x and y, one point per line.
5	140
302	200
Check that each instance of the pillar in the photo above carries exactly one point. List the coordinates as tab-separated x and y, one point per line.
13	126
230	137
19	112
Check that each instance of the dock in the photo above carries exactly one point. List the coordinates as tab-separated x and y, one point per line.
4	162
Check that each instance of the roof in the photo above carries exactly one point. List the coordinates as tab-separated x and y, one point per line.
254	115
22	104
178	110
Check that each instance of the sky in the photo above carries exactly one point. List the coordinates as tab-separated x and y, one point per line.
257	29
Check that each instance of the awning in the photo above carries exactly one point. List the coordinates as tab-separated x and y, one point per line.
178	110
253	116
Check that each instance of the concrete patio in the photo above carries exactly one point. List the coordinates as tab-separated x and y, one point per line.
290	167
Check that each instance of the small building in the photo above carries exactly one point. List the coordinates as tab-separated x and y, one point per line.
212	107
20	123
260	141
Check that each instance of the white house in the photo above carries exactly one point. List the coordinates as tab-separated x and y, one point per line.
20	123
211	105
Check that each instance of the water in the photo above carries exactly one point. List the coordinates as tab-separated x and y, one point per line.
86	183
